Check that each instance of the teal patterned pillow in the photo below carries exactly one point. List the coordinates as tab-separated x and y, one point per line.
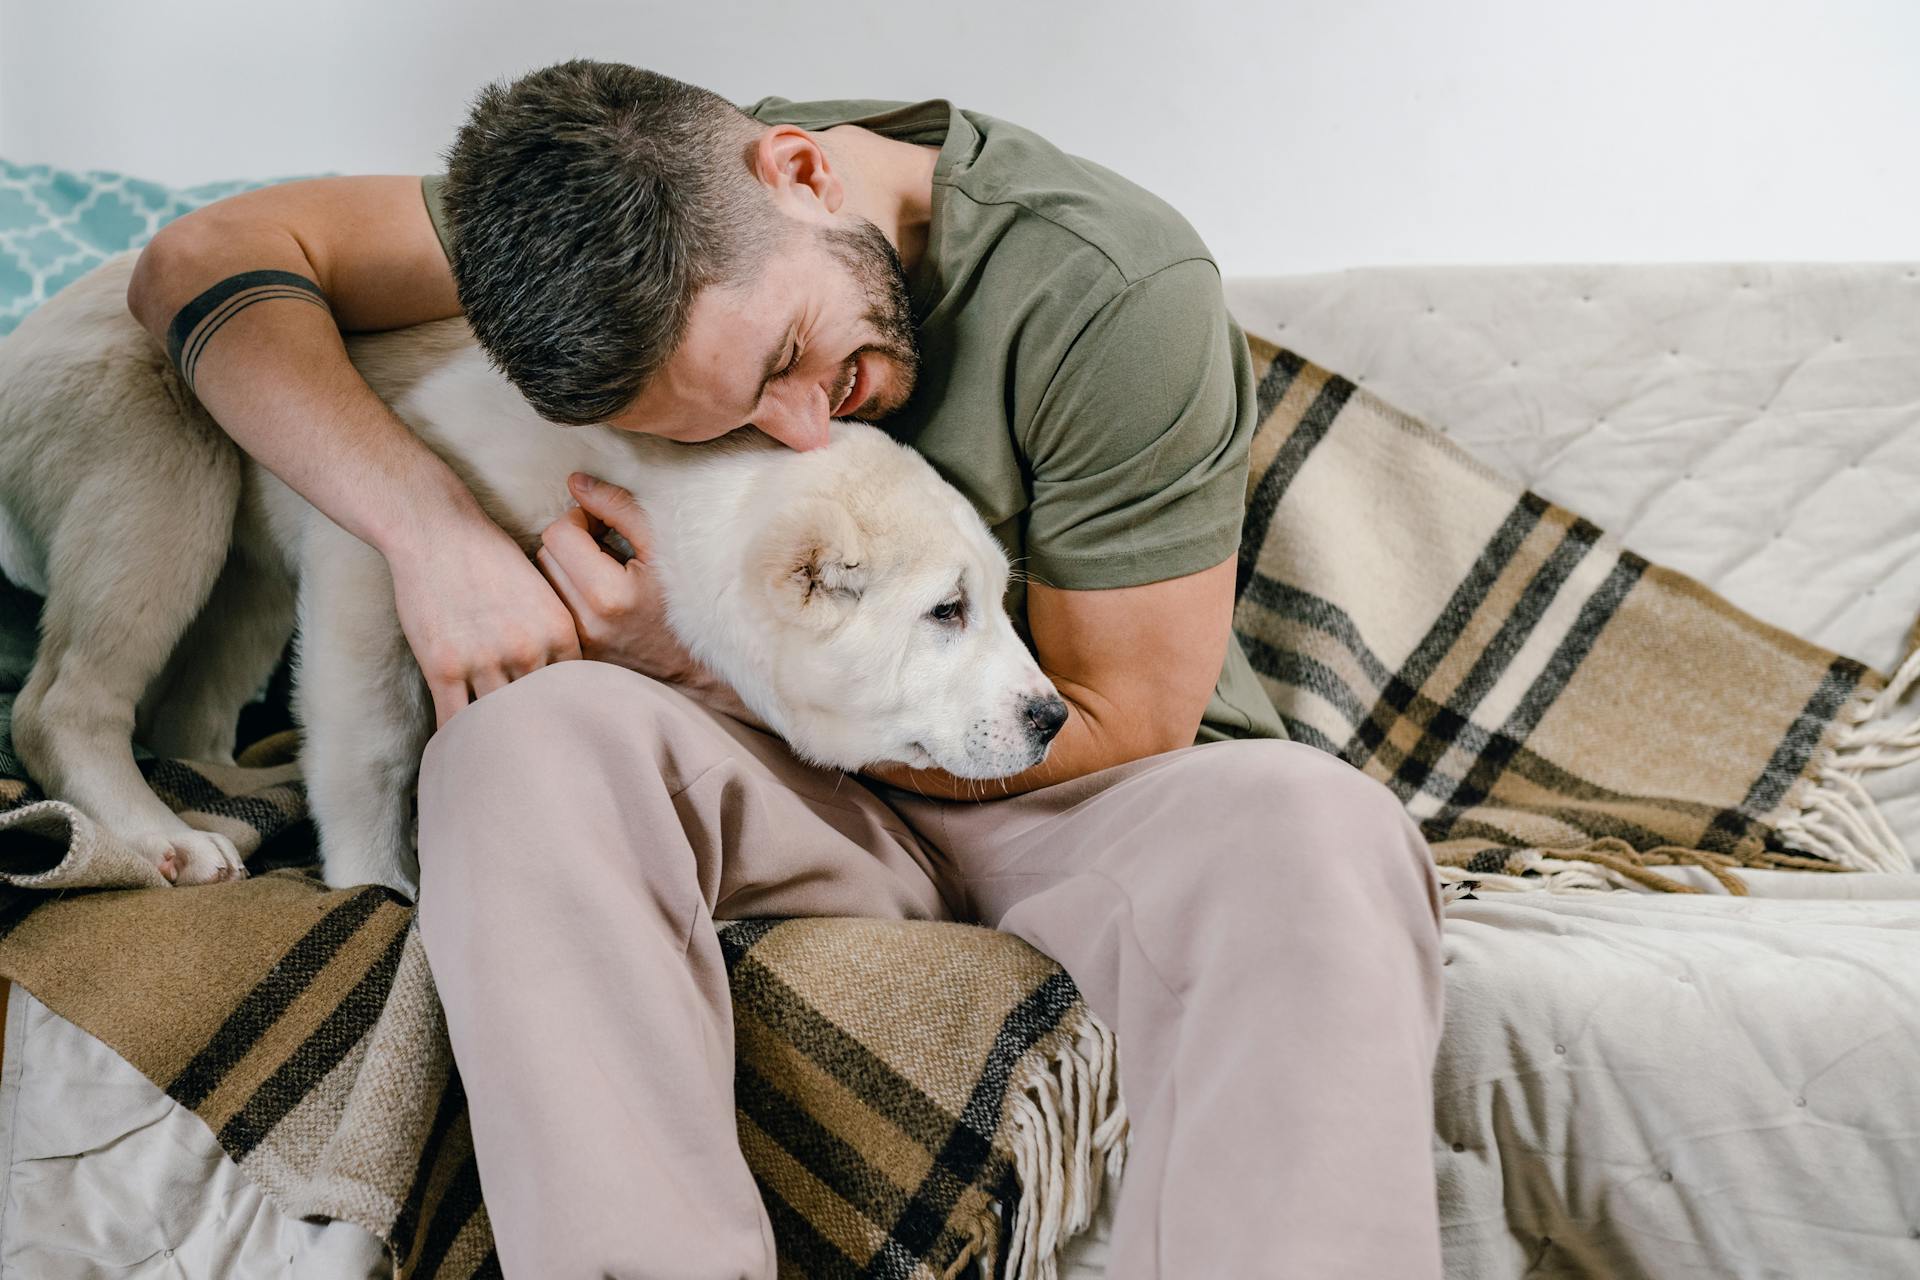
55	226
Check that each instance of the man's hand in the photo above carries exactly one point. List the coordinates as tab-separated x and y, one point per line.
477	614
617	606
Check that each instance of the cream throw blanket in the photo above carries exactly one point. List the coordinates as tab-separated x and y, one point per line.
1552	709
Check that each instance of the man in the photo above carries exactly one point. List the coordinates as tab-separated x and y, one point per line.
1258	921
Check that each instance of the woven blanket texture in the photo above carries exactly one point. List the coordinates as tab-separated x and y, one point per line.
1554	711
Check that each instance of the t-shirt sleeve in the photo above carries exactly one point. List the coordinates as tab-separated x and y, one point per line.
430	187
1139	447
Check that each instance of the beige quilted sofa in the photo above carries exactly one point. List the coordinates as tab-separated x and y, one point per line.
1633	1086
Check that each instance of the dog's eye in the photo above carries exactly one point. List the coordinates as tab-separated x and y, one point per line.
948	612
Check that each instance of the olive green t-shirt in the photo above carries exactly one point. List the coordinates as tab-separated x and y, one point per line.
1081	383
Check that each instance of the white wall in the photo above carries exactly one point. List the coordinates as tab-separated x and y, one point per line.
1299	135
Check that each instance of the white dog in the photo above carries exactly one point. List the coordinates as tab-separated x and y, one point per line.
850	597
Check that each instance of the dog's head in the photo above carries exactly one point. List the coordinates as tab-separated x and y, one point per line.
890	641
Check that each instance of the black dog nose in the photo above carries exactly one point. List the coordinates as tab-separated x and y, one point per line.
1045	716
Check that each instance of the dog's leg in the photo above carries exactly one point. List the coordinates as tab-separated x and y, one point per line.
130	564
364	710
228	653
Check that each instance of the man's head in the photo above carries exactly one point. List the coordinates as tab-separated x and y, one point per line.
634	250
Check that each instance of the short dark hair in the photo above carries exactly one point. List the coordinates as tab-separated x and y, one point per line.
587	203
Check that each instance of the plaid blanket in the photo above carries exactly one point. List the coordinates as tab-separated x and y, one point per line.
1555	711
914	1098
301	1025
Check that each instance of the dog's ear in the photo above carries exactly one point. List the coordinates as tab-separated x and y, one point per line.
810	559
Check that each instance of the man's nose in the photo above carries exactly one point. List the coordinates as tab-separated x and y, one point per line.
798	420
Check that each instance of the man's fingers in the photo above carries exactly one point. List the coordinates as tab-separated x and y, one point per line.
448	697
585	519
485	682
615	506
598	581
563	585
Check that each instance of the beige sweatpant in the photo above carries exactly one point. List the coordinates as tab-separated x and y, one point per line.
1257	921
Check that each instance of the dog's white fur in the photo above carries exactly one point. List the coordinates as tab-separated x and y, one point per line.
173	568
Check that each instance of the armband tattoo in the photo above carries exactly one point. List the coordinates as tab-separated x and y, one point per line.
200	319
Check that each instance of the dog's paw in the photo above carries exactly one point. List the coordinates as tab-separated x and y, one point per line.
192	857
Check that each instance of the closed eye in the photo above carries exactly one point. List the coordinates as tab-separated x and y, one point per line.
770	377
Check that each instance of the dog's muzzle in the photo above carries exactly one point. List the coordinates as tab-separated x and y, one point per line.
1043	717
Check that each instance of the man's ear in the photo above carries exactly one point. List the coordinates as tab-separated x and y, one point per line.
794	166
810	560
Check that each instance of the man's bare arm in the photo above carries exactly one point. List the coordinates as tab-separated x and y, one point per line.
1136	666
271	368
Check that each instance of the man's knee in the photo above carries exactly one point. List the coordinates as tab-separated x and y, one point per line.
1287	786
1295	811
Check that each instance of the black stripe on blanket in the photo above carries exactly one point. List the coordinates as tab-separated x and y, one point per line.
1301	731
1404	688
1595	614
1299	605
451	1109
1518	626
809	1253
309	1064
15	912
1574	647
183	788
1290	666
838	1165
1442	729
1272	387
737	937
1790	757
1473	589
1293	454
458	1203
760	991
270	998
970	1144
1549	776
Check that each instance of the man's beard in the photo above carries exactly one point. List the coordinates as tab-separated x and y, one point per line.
877	269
